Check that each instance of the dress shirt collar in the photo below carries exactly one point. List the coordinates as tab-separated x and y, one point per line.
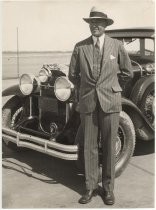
101	39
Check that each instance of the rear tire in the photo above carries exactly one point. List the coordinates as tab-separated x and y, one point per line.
143	96
147	103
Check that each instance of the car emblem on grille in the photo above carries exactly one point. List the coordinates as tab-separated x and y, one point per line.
53	130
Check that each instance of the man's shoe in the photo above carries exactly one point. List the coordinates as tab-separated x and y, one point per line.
86	198
108	198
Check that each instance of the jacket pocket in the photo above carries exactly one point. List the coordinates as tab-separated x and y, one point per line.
116	89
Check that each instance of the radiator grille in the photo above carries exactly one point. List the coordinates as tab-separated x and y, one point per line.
48	104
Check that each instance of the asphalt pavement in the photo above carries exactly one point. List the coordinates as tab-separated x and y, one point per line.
34	180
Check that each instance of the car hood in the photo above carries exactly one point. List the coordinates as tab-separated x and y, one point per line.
142	60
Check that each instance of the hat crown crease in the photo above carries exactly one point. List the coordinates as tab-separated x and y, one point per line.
98	14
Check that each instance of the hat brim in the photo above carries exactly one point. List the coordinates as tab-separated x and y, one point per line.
107	20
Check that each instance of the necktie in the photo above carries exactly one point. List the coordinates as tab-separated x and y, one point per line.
97	45
97	59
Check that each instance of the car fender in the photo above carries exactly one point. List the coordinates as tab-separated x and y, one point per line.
15	90
144	130
12	90
140	88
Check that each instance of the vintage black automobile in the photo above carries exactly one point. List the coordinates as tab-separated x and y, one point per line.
43	113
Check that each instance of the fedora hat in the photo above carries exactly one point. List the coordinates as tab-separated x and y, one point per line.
96	13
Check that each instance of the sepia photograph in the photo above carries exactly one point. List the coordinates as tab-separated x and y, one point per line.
78	104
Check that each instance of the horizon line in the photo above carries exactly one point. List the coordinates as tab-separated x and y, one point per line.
37	51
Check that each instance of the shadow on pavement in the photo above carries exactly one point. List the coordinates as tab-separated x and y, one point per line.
52	170
44	168
144	147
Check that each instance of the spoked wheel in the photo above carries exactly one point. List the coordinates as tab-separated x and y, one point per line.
148	104
143	96
125	143
118	147
12	114
17	116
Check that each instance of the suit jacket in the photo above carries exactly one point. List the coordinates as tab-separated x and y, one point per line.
106	89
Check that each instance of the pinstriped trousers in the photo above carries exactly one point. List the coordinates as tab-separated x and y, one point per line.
107	124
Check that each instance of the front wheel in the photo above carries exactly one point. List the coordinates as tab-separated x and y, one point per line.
12	113
125	144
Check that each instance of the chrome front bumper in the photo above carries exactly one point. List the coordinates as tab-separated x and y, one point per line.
66	152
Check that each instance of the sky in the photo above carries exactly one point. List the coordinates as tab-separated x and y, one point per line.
57	25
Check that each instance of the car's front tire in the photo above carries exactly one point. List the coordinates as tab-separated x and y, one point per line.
11	114
126	141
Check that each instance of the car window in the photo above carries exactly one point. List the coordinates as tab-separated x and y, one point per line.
149	47
133	46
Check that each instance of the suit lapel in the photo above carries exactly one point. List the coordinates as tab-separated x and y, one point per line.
88	51
107	49
108	43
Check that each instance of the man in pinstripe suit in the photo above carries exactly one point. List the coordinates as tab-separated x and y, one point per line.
95	65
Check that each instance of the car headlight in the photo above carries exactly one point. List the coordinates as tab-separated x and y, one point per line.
27	84
44	74
150	67
63	88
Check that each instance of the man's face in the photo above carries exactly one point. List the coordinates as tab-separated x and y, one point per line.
97	27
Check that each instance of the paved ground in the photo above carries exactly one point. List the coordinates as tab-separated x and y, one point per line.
34	180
